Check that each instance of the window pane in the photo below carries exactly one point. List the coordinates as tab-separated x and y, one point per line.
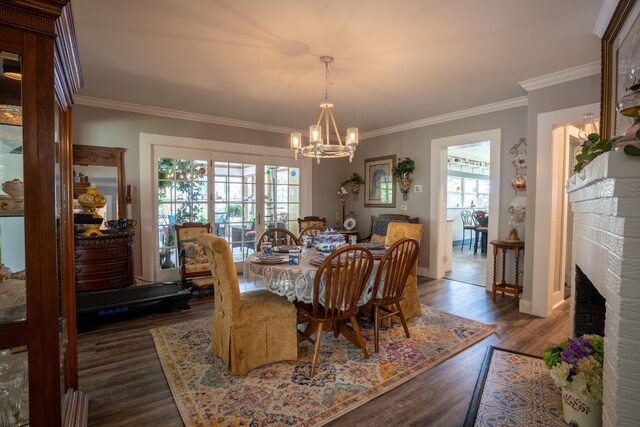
294	176
483	186
454	184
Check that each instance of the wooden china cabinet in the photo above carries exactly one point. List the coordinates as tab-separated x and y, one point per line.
40	74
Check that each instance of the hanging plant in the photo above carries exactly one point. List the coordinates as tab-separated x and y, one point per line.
404	168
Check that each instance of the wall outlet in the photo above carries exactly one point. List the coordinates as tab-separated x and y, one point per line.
403	207
418	188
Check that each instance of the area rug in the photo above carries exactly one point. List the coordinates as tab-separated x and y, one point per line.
514	389
283	393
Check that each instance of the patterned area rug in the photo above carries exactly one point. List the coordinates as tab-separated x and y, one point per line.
283	393
514	389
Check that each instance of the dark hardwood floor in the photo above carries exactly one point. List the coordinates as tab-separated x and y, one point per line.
121	373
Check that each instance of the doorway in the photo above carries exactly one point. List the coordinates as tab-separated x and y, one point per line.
468	172
438	258
551	213
239	194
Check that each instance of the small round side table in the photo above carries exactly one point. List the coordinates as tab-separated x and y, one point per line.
511	288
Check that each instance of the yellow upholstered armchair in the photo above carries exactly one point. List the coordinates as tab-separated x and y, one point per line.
380	223
396	231
251	329
193	260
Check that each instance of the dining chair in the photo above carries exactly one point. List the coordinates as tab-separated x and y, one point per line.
411	303
338	285
468	223
278	236
194	266
481	219
251	329
308	221
388	286
312	231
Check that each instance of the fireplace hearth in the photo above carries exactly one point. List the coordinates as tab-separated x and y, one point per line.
605	201
590	307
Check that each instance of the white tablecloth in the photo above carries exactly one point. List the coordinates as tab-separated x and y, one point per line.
295	282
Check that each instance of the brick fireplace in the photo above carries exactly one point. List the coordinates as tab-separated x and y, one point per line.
605	201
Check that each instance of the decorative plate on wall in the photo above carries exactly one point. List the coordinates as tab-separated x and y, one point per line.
520	160
519	183
349	224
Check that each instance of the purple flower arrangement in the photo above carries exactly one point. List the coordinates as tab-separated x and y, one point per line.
576	364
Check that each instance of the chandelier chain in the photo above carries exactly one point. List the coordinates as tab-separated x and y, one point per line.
326	81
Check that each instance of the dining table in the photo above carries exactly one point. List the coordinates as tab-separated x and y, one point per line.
296	282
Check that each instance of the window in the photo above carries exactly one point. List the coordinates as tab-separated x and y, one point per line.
465	192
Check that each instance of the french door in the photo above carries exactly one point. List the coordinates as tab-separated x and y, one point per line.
240	195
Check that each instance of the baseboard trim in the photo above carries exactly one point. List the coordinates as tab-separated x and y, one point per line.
525	306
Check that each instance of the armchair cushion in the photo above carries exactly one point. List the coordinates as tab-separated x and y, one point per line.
194	253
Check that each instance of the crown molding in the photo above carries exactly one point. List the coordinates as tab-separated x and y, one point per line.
176	114
606	12
469	112
561	76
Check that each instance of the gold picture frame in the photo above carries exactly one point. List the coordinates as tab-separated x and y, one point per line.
620	53
379	187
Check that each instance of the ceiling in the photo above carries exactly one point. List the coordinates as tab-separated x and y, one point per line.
395	62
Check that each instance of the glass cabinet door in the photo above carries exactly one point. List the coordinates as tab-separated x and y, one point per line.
13	298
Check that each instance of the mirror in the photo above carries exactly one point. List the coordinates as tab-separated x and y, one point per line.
102	167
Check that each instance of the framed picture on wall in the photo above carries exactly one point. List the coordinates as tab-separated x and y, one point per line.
620	55
379	188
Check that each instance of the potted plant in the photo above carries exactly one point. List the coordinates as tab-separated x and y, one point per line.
402	172
576	367
355	182
404	168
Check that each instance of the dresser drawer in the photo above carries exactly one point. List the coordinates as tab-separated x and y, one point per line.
102	283
101	254
102	269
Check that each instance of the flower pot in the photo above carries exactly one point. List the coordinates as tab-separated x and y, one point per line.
583	412
405	186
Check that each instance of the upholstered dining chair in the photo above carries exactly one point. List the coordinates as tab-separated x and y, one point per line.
343	274
308	221
411	302
311	231
468	223
251	329
388	288
277	236
193	260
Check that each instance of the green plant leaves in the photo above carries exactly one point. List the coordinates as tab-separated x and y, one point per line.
632	150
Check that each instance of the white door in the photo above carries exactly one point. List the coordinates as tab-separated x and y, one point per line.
282	193
182	187
236	192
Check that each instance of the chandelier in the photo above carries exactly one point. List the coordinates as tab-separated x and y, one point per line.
319	147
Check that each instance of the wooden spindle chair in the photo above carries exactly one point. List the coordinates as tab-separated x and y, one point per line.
312	231
390	280
278	237
344	274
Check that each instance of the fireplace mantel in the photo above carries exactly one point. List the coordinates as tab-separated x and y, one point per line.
605	201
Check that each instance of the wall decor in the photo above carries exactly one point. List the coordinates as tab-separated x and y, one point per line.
620	54
379	188
518	206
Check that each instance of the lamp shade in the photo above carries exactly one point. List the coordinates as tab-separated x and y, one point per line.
352	137
296	141
315	134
